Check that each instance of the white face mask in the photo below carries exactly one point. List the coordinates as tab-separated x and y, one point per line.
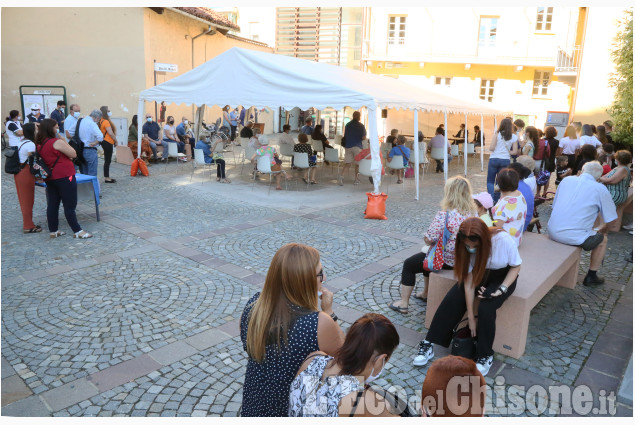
109	114
149	119
470	250
185	122
76	114
372	377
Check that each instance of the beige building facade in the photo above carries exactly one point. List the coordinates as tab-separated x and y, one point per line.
105	56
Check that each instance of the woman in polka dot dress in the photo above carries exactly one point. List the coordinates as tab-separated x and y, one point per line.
281	325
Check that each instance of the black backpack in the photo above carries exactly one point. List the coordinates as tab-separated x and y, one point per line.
38	167
12	165
77	144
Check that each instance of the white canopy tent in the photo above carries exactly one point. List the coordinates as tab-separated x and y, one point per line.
265	80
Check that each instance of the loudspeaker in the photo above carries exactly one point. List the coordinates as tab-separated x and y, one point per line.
384	113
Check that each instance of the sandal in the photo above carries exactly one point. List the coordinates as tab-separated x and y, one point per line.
313	182
82	234
218	179
36	229
279	188
225	181
424	299
399	181
402	310
110	181
305	181
56	234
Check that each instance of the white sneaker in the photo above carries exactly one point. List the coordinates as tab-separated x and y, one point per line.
628	227
426	352
483	364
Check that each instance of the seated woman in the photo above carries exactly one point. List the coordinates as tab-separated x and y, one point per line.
487	266
305	147
276	163
210	158
456	206
282	325
146	150
169	136
331	386
618	179
510	211
319	135
400	149
440	398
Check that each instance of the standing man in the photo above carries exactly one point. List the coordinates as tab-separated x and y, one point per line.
71	121
181	132
575	208
59	116
153	131
91	136
35	115
308	127
233	122
354	133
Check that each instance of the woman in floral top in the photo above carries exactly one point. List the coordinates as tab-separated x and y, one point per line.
270	151
511	209
457	205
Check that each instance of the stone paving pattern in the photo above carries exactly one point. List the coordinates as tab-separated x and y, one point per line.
142	320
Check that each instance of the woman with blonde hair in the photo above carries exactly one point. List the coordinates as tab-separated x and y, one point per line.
487	267
569	145
456	206
282	325
109	131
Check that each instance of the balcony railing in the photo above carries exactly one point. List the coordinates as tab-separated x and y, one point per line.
567	60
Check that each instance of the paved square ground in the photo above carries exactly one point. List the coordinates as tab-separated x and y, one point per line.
142	320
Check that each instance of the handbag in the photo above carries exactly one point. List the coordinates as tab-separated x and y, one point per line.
434	260
543	176
77	144
463	344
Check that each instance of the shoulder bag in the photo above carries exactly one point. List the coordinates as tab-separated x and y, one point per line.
463	344
434	259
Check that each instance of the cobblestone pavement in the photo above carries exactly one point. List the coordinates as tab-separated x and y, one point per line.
142	320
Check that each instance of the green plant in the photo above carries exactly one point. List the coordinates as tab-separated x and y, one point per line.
621	111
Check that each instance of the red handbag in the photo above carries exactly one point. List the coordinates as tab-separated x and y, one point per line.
434	259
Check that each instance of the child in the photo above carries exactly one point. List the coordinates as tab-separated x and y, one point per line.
606	166
484	204
562	169
400	149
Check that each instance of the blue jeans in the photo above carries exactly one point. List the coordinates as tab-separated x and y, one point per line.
90	167
153	146
493	167
180	147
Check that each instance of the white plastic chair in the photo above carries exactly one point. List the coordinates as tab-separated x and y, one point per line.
470	149
247	154
454	150
337	144
423	159
286	150
264	167
332	157
199	159
301	160
364	168
173	152
219	149
317	146
396	163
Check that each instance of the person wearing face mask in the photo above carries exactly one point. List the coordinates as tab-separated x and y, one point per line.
152	130
59	115
169	136
339	385
182	133
281	325
91	136
14	128
109	131
70	124
35	115
486	266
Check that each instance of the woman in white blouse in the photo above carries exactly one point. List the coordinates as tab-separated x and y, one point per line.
569	145
487	265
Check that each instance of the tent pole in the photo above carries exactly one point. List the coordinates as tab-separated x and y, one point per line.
373	144
482	128
416	153
465	146
140	117
445	148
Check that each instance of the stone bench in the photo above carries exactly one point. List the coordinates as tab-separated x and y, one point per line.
545	263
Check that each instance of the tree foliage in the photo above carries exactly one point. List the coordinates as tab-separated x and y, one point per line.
621	111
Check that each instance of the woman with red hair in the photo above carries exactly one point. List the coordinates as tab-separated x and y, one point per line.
453	388
486	265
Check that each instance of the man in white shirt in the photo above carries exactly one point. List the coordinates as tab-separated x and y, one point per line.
285	138
575	208
91	136
71	121
438	141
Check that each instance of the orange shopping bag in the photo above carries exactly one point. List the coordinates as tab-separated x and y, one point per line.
376	206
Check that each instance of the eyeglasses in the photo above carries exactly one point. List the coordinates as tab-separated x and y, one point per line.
320	275
471	238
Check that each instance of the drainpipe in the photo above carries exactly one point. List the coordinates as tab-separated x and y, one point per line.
210	30
579	60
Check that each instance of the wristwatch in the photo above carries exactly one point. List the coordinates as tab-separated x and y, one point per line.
334	317
503	289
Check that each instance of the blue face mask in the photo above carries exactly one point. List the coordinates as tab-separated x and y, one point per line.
149	119
470	250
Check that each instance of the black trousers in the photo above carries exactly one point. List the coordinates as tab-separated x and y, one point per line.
62	190
220	167
453	308
233	132
108	148
414	265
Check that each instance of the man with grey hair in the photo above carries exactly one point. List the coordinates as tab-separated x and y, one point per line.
91	136
578	202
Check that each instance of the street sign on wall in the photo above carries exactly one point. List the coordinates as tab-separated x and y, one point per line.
166	67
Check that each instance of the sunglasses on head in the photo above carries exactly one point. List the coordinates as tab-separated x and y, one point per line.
472	238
